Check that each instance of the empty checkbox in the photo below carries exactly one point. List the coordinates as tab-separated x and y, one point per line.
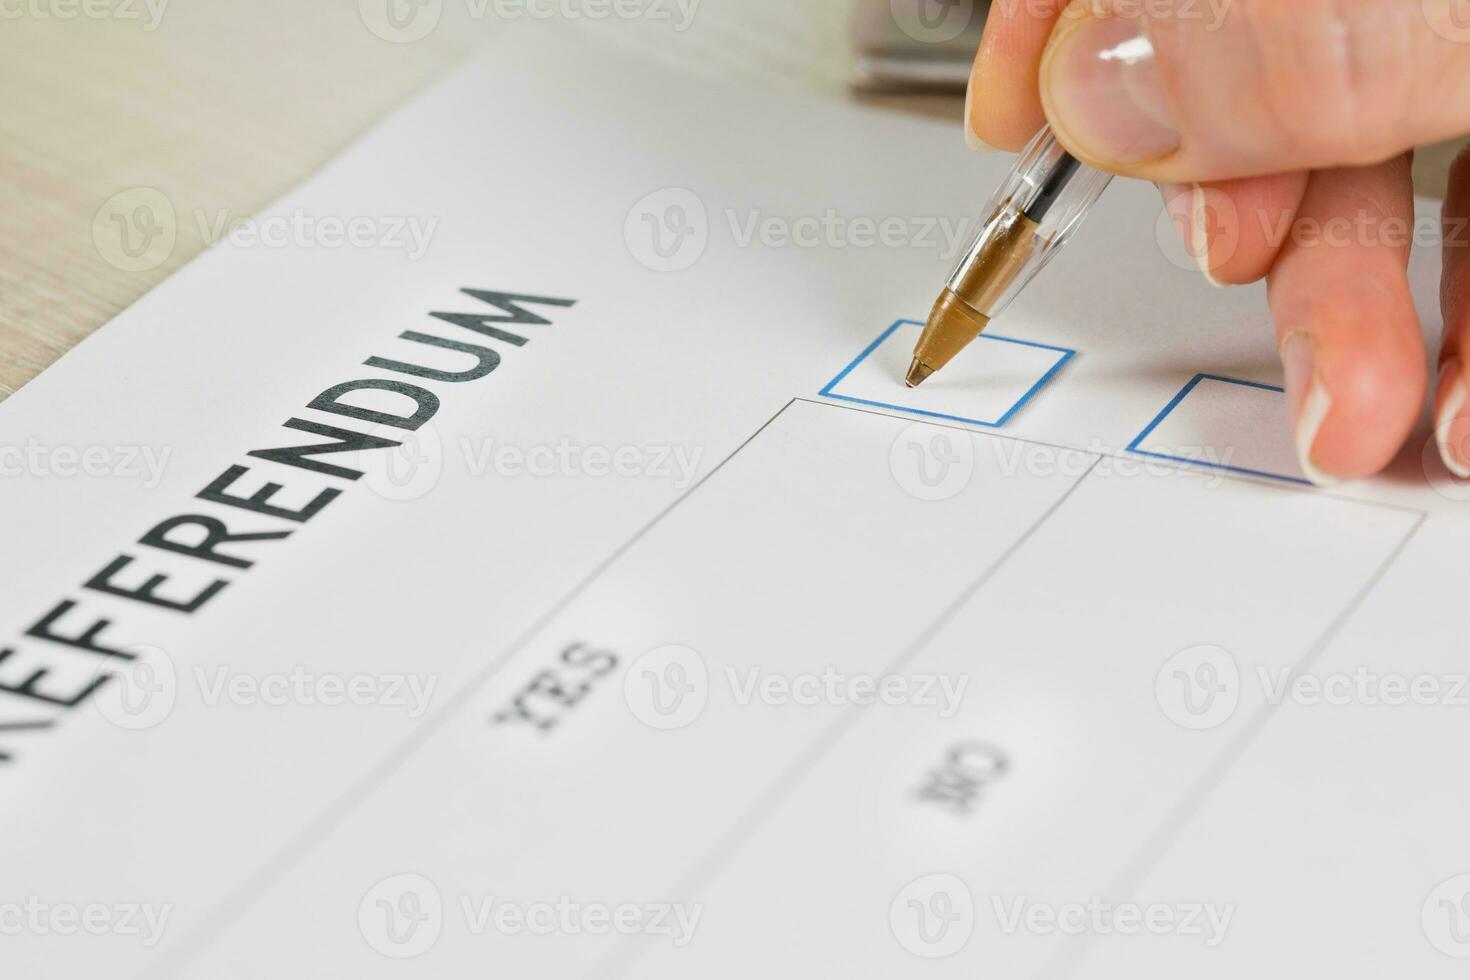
987	384
1225	424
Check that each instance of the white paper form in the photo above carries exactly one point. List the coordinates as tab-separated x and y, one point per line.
575	680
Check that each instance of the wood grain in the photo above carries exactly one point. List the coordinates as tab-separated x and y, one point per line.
222	105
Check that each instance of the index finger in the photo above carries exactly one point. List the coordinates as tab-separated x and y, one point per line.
1003	107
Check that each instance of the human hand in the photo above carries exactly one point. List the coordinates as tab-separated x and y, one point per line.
1280	133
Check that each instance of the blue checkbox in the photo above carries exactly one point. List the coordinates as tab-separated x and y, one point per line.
1225	424
987	384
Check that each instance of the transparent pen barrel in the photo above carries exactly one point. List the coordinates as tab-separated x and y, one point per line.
1032	215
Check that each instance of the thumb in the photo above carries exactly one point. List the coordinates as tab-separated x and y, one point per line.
1192	90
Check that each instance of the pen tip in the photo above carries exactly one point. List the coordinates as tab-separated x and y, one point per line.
918	373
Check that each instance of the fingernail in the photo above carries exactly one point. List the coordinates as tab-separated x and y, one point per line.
1307	400
1186	205
972	139
1103	92
1451	430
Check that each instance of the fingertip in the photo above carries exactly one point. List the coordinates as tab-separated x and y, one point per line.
1452	419
973	139
1352	404
1252	218
1234	229
1003	104
1308	401
1451	411
1342	282
1000	114
1190	214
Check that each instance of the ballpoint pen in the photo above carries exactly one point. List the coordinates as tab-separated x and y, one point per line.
1035	211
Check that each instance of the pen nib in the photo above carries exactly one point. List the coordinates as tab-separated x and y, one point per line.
918	373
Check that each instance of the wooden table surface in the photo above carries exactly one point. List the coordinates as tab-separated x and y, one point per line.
220	106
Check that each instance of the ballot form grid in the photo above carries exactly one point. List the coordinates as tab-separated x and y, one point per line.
717	856
624	960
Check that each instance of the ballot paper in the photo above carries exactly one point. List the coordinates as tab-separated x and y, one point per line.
574	589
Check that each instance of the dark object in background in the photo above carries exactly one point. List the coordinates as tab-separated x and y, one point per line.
916	45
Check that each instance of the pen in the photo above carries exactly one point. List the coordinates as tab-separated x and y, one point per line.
1042	201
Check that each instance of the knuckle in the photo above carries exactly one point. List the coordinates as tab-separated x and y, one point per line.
1325	80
